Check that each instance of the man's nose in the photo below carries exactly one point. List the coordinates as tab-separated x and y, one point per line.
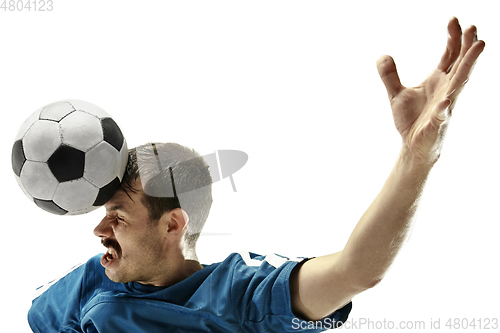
103	229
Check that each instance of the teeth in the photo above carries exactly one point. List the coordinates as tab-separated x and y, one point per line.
111	251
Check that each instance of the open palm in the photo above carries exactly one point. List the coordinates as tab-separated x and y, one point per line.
421	113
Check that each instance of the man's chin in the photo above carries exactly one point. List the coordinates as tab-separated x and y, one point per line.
112	273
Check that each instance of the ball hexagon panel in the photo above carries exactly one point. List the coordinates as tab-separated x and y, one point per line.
41	140
81	130
56	111
27	124
102	164
38	180
67	163
112	133
24	189
89	108
75	195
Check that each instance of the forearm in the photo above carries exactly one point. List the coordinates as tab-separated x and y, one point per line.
383	228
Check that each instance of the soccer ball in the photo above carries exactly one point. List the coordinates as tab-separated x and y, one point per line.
69	157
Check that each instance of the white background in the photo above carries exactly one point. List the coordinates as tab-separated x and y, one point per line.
292	84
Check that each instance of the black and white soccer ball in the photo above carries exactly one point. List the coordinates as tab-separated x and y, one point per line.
69	157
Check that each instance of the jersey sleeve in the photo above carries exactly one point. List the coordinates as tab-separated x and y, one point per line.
261	297
58	306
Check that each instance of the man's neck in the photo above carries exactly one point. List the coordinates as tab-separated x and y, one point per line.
174	273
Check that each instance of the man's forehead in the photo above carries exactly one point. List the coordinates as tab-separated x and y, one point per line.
121	200
117	205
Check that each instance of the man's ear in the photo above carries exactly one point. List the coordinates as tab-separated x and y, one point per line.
175	220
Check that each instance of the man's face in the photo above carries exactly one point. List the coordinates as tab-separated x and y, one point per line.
135	248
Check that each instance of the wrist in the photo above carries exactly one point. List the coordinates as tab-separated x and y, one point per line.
412	167
417	160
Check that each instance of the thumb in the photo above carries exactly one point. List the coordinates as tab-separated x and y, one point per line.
389	75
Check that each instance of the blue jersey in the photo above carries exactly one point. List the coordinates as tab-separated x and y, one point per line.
244	293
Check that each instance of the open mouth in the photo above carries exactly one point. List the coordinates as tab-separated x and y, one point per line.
109	257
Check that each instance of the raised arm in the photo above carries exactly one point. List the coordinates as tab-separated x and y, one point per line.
421	114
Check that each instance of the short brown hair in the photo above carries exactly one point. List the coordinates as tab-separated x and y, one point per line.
172	176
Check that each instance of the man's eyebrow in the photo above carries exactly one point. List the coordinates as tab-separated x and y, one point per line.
117	207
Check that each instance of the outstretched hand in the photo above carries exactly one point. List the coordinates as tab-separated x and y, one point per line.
421	113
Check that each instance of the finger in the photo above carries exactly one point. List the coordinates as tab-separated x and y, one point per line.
464	70
452	47
389	75
470	36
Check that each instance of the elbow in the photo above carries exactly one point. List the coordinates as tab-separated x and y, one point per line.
372	283
368	283
367	278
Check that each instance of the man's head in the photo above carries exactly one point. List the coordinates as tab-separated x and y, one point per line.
153	222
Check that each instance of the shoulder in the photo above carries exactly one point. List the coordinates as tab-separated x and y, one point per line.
245	267
59	301
75	277
261	293
241	274
259	283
